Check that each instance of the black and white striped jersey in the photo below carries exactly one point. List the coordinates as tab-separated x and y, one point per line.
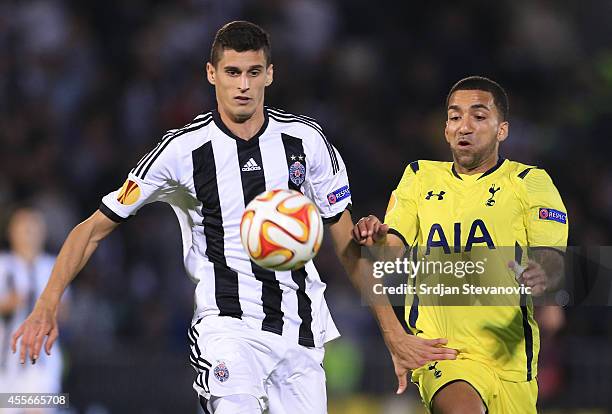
27	280
208	175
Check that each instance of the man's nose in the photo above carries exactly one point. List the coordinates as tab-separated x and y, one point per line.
466	125
244	82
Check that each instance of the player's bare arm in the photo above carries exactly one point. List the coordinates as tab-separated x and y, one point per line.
544	272
76	251
407	351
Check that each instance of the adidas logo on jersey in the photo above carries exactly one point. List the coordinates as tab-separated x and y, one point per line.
251	165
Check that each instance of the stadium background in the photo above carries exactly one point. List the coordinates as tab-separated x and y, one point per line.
88	87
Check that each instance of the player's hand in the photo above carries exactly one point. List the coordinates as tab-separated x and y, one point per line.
41	324
533	276
410	352
369	231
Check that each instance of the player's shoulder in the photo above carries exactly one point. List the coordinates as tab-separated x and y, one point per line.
198	125
519	170
306	126
423	171
532	177
426	167
175	144
175	139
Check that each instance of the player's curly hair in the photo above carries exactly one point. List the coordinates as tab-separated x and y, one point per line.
480	83
240	36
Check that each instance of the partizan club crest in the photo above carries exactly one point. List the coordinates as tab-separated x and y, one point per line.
221	372
297	173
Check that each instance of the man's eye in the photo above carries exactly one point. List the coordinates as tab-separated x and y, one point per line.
454	118
480	117
232	72
255	73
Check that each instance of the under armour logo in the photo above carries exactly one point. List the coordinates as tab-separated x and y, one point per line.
430	194
437	372
492	190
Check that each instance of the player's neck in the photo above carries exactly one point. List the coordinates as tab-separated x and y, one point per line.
246	129
485	166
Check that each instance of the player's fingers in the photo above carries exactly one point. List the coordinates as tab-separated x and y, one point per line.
356	234
402	383
436	342
16	337
362	234
53	335
439	357
25	345
361	240
373	219
534	276
447	356
535	279
527	275
516	268
362	225
436	346
381	231
443	351
372	223
434	355
38	341
538	290
373	228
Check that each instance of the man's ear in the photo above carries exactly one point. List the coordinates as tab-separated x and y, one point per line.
210	73
269	74
445	134
502	131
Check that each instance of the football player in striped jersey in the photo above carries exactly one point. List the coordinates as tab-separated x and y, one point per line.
257	335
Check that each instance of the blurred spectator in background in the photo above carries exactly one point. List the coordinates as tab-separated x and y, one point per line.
24	271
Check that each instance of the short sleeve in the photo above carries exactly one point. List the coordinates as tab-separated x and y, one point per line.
327	182
153	179
402	213
545	214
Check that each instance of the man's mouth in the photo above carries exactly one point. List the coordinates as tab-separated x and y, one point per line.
462	143
242	99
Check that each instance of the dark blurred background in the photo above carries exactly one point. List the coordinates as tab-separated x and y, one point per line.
86	88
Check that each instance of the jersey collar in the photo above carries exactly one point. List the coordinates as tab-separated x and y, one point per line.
226	130
491	170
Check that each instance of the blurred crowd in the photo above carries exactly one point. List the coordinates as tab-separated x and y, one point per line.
86	88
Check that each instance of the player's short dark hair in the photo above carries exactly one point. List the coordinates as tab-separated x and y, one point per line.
481	83
240	36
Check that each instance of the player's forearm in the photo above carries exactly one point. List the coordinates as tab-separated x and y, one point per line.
73	256
75	252
359	270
